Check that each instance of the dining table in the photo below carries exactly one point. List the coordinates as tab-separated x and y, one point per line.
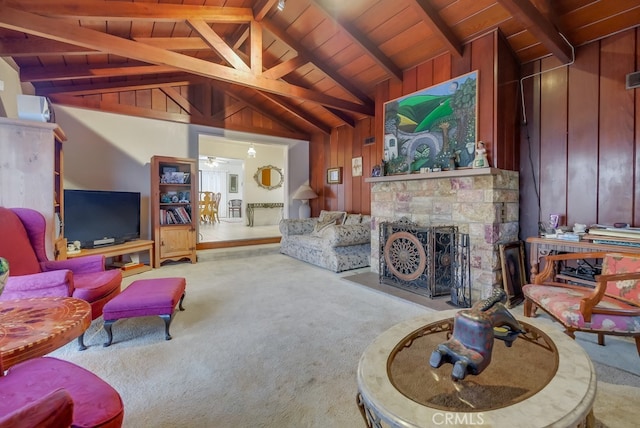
34	327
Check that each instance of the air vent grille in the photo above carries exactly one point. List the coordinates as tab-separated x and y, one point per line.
633	80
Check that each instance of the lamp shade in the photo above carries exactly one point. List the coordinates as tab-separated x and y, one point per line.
305	192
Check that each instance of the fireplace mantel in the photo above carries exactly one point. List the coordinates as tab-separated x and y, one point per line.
466	172
480	202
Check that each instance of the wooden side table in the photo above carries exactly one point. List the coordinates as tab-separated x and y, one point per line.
31	328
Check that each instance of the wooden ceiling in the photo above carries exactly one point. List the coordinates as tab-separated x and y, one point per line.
308	68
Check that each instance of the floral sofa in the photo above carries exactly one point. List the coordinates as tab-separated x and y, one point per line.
335	240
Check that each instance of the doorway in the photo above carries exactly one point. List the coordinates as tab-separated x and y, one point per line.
225	168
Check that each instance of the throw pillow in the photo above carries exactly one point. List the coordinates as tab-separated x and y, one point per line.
353	219
337	216
321	226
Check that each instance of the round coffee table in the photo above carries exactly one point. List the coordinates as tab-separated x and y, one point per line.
34	327
551	381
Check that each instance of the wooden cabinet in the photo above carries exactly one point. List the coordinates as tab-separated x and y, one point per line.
174	208
31	174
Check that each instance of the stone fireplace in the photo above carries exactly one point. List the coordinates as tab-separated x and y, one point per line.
482	203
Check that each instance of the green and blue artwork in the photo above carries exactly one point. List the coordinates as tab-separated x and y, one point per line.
432	128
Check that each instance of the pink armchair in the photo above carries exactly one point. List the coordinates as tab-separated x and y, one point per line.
33	275
50	393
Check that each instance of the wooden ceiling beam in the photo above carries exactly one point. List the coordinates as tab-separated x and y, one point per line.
359	38
120	86
297	112
285	67
527	14
235	93
67	72
174	117
262	7
181	101
35	46
344	117
431	17
317	62
30	23
175	43
255	47
127	11
218	44
229	110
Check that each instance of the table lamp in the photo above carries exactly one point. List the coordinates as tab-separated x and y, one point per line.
303	194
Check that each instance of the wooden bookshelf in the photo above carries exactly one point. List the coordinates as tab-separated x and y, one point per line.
174	208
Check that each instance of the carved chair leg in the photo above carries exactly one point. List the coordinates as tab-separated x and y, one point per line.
600	339
530	308
638	345
570	333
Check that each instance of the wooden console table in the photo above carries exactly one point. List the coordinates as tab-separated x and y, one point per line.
117	251
253	206
541	247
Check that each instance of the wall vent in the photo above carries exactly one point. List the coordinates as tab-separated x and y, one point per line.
633	80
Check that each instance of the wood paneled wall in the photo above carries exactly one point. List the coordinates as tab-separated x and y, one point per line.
580	152
498	107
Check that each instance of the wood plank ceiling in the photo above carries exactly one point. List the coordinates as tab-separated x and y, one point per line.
307	68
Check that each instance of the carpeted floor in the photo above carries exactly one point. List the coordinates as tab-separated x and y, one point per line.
265	341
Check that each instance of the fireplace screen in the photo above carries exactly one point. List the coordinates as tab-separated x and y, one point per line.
431	261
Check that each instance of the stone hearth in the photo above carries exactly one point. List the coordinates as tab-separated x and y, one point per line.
482	203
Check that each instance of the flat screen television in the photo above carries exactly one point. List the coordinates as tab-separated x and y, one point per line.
97	217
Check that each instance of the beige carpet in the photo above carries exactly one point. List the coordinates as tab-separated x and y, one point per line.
265	341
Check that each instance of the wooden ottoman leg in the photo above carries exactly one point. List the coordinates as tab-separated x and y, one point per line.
167	323
181	300
107	328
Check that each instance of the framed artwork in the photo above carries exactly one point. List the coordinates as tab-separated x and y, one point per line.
334	175
356	166
233	183
514	274
429	128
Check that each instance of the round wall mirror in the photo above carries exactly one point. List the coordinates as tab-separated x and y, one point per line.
269	177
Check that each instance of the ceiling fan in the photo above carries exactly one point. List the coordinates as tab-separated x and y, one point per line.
213	160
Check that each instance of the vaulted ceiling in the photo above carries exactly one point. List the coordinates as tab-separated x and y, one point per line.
307	68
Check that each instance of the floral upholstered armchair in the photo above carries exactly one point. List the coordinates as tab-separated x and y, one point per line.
31	274
611	307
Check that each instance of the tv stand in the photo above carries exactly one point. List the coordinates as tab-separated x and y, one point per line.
115	252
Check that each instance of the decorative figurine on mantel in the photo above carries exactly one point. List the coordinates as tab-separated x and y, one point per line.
481	161
470	347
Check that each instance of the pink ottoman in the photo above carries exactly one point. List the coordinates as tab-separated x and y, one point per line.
146	297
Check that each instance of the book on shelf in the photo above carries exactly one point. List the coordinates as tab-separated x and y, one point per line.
617	232
178	215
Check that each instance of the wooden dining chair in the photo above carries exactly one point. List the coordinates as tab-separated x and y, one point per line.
216	207
206	207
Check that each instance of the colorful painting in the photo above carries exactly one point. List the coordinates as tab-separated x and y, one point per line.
432	128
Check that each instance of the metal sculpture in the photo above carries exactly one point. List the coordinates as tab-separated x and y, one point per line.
470	347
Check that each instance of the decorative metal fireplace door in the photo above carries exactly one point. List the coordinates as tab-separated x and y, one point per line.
427	260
